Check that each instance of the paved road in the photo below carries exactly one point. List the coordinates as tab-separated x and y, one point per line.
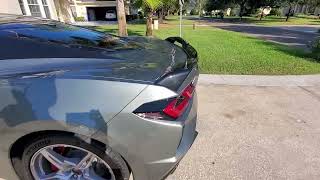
296	36
255	132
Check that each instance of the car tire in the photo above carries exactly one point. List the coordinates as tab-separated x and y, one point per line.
113	159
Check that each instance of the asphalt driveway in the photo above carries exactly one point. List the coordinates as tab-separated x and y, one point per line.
255	132
295	36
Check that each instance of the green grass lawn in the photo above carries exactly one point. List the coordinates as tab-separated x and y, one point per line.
225	52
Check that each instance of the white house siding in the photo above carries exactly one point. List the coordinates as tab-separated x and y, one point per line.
13	7
51	9
10	7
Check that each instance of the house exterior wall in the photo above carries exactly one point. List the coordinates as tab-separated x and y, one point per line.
13	7
59	9
10	7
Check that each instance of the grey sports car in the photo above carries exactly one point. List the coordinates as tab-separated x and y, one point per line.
80	104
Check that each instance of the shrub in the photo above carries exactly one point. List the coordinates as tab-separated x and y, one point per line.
275	12
131	17
140	15
194	12
316	48
233	12
79	19
254	12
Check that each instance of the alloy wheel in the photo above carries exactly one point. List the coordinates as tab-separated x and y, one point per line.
68	162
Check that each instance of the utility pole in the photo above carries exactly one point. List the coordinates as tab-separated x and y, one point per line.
199	9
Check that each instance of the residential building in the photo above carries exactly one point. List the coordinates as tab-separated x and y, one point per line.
51	9
93	10
10	7
64	10
37	8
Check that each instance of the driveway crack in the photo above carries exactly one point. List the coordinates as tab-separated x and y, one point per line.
310	93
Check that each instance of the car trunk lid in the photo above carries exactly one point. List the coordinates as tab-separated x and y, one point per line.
49	46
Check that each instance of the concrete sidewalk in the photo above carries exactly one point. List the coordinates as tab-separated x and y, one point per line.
248	80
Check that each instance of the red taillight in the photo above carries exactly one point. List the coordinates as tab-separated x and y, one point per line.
176	107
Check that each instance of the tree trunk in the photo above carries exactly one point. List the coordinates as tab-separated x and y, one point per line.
241	11
164	12
122	23
303	9
149	23
200	13
262	14
161	15
289	13
221	15
64	11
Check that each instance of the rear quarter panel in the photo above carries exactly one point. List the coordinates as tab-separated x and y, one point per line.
82	106
144	142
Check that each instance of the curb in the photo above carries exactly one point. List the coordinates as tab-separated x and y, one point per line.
252	80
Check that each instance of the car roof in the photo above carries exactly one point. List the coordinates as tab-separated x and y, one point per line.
13	18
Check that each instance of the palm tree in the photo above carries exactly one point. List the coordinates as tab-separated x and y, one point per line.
149	6
63	11
122	23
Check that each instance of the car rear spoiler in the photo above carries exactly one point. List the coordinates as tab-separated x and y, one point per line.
176	79
189	50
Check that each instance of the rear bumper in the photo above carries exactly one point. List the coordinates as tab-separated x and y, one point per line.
162	168
173	169
152	148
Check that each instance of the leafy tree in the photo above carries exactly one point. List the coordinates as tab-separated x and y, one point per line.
263	4
218	5
246	5
290	4
223	4
311	3
149	7
242	4
165	6
254	4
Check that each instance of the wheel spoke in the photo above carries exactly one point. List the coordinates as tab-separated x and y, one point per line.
85	162
51	176
54	158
